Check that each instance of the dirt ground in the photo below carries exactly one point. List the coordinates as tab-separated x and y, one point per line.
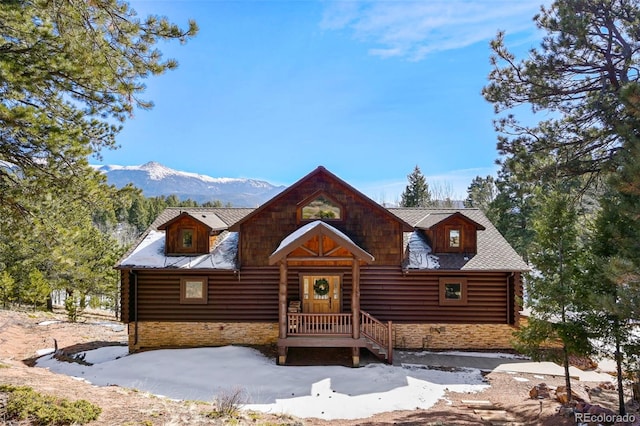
506	401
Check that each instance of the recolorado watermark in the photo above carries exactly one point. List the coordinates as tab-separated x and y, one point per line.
604	418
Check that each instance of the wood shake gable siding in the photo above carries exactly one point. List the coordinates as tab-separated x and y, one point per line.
369	225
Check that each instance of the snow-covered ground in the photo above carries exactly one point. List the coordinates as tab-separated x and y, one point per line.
327	392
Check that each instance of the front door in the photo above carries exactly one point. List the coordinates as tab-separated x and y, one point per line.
321	293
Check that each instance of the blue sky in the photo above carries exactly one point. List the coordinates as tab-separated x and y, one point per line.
272	89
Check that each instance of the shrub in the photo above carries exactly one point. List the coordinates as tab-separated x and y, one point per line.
23	403
228	402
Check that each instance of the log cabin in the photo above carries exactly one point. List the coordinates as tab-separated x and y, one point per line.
322	265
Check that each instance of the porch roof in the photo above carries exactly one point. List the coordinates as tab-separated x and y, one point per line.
317	228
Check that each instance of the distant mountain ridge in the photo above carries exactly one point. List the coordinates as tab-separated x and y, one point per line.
155	179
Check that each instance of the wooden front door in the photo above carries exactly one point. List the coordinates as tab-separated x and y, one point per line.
321	293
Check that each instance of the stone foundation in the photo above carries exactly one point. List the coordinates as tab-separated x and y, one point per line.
153	334
453	336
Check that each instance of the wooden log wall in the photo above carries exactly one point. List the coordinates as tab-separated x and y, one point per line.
389	295
126	299
249	296
386	293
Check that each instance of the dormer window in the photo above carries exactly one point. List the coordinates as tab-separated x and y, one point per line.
454	238
191	234
451	232
186	238
320	207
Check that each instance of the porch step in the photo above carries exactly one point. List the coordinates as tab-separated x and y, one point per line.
376	349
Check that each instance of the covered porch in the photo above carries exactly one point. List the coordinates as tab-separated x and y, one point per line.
318	320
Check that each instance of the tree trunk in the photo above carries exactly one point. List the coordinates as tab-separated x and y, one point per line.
622	409
567	376
636	391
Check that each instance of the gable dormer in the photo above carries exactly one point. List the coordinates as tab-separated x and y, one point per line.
451	232
191	234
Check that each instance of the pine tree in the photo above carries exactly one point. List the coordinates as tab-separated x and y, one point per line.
590	52
613	284
511	211
71	71
138	214
7	289
416	193
37	290
553	288
481	192
614	279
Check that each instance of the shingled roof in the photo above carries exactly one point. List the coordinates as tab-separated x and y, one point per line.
209	215
494	252
229	215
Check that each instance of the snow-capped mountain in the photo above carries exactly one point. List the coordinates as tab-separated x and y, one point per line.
155	180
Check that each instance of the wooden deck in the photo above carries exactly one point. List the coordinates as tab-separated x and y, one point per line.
336	330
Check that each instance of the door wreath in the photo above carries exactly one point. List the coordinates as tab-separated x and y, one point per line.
321	287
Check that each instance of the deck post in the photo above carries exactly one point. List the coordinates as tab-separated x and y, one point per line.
355	310
282	312
355	355
355	298
390	342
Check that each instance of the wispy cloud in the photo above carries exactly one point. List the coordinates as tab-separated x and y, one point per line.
414	29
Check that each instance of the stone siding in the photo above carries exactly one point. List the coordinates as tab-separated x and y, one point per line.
453	336
152	334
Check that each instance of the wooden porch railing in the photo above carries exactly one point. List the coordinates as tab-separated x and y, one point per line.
301	324
378	332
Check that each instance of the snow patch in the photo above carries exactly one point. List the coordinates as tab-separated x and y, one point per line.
49	322
473	354
150	254
326	392
420	256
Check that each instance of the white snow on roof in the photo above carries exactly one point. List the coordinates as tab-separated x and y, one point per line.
306	228
150	254
420	256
